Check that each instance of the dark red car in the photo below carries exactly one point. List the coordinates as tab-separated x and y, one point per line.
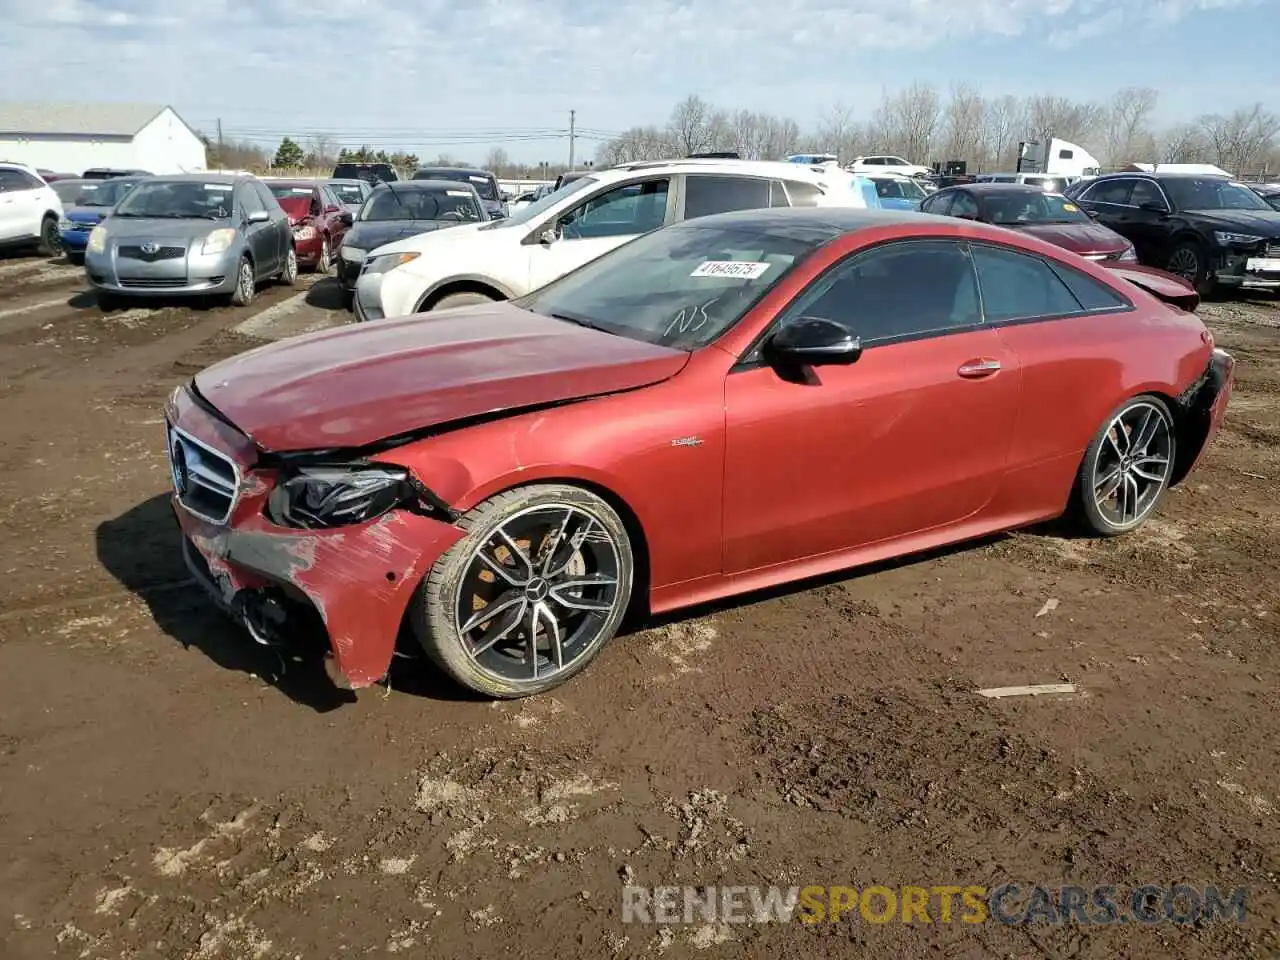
725	404
1049	216
318	218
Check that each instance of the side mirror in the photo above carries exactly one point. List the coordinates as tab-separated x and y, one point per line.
812	341
550	235
258	216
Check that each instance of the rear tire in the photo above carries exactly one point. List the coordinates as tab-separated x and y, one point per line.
1190	261
245	287
289	275
460	300
107	301
324	266
1131	457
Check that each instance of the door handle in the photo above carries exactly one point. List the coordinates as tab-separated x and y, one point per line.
981	367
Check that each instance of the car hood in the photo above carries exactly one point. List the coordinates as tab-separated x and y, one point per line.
161	228
370	234
1082	238
424	242
298	208
1263	223
353	386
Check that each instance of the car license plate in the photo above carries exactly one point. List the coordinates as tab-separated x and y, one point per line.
1263	264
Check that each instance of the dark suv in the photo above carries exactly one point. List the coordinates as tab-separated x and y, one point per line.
374	173
1210	230
484	182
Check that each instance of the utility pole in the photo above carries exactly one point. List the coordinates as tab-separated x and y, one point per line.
220	152
573	118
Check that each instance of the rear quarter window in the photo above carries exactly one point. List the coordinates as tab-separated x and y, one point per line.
1094	297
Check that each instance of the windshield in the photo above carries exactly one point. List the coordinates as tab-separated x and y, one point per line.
406	203
178	199
892	187
106	194
539	207
70	191
1211	193
485	185
1024	208
682	286
348	192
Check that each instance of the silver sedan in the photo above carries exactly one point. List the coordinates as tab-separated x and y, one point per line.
192	235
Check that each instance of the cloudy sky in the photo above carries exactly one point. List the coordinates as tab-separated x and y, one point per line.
457	77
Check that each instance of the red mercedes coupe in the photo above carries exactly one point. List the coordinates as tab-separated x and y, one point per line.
726	404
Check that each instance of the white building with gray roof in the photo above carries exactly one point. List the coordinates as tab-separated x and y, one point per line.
74	137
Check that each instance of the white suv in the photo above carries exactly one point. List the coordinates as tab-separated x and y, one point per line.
582	220
887	164
29	210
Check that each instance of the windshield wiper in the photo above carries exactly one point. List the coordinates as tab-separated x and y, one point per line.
581	322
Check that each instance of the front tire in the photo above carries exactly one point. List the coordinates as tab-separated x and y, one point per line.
1126	468
1190	261
75	259
460	300
50	240
529	597
246	286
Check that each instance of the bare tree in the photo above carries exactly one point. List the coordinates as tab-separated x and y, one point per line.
837	132
1242	140
962	136
1128	118
1048	116
1184	143
498	162
908	121
1001	120
690	121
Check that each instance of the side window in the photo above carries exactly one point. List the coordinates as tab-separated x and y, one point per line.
705	195
877	294
1020	287
964	205
1144	191
1093	296
939	203
257	196
803	194
12	180
875	161
1108	191
627	210
1066	154
778	194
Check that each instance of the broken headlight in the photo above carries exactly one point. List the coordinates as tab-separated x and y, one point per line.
318	497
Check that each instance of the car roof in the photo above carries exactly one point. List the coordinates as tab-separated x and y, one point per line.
760	168
1160	175
989	188
196	177
293	181
400	186
354	181
470	171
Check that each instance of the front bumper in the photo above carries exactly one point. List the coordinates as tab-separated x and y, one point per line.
358	579
74	240
191	274
368	297
1205	405
1233	268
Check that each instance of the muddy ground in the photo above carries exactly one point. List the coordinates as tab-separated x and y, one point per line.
160	799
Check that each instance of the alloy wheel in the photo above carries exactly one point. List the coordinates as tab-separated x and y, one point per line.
536	595
1133	465
1185	263
246	281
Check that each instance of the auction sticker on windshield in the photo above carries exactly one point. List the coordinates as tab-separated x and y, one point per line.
220	187
736	269
456	193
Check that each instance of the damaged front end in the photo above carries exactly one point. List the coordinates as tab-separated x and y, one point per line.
1200	411
264	534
